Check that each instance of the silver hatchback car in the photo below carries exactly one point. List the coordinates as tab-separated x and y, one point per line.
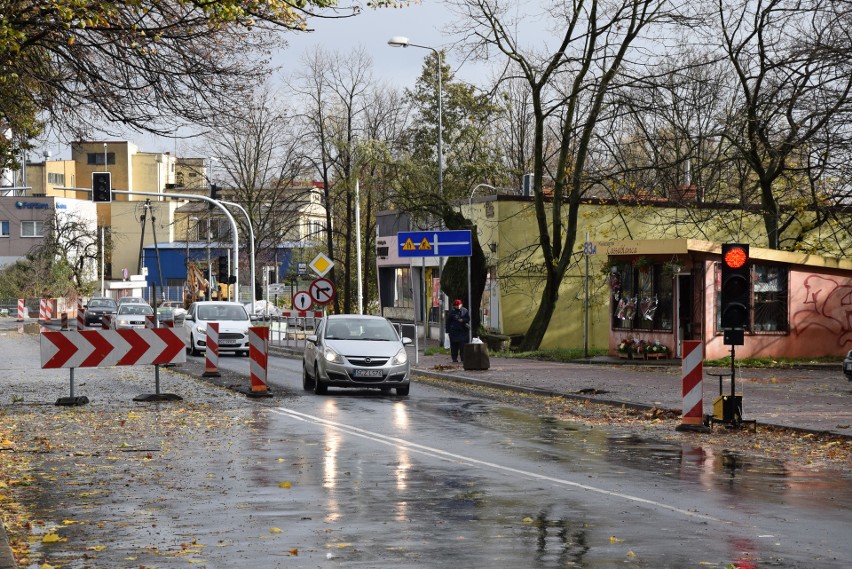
350	350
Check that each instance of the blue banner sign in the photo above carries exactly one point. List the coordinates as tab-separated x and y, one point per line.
434	243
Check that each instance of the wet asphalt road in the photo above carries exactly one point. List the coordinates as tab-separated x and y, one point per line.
360	479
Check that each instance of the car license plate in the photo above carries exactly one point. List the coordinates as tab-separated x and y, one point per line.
367	373
227	342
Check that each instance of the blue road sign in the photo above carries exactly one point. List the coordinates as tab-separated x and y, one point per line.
434	243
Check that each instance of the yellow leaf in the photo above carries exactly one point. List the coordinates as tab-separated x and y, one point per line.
68	522
630	555
46	566
614	539
285	484
276	530
96	548
52	538
527	520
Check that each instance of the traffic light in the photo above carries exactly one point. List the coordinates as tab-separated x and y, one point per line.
214	195
223	269
736	286
101	187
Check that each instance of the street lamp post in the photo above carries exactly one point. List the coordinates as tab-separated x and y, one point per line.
251	248
401	41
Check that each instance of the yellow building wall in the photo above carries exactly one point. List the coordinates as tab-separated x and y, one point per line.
510	224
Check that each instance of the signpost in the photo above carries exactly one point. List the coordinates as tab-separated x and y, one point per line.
424	244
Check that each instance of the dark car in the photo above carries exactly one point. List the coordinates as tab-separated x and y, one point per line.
97	307
847	365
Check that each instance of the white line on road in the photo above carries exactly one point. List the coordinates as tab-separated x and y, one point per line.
451	457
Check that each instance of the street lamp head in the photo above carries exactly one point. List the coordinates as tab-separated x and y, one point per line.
398	41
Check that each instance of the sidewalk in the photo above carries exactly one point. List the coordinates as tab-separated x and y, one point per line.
811	399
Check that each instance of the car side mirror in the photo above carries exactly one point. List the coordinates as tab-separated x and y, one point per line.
311	338
254	318
406	341
189	317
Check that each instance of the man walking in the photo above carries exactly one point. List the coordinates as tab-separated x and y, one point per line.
458	320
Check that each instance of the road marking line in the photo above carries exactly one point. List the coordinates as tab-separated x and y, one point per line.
451	457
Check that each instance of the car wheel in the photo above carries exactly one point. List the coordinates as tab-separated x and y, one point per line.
307	382
403	390
192	349
319	387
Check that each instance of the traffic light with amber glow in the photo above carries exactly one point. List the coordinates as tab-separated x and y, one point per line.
736	286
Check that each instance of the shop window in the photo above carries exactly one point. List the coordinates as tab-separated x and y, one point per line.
641	298
768	301
403	291
769	283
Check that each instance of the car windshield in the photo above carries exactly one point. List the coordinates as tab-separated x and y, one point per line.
222	312
98	303
361	329
136	309
136	299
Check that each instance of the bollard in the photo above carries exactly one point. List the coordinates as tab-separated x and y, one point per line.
81	315
42	310
692	372
258	361
64	320
22	308
106	321
211	354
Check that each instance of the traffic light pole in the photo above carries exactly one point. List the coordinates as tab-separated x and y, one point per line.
216	203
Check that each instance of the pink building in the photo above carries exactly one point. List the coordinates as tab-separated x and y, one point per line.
666	291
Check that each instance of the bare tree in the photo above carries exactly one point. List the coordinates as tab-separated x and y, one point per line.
569	84
792	78
259	152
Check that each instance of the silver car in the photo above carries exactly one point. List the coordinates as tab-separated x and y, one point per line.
351	350
131	315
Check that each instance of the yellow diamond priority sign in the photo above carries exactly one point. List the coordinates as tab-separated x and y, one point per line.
321	264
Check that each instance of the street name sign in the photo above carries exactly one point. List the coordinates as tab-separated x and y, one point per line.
435	243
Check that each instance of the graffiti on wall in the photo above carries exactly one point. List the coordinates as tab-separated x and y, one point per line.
827	305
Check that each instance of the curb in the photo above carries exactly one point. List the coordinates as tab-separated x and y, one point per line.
7	560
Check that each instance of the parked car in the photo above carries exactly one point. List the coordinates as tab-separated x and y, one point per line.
97	307
351	350
847	365
131	300
131	315
233	320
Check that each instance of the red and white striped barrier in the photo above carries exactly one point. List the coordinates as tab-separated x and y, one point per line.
259	358
64	321
150	321
211	355
45	309
301	313
106	348
22	310
106	321
81	315
693	384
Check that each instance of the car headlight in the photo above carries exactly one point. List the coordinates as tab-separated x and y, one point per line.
400	358
332	356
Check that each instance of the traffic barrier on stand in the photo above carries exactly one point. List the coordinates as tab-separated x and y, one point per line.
259	360
211	354
81	315
22	310
692	370
42	310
